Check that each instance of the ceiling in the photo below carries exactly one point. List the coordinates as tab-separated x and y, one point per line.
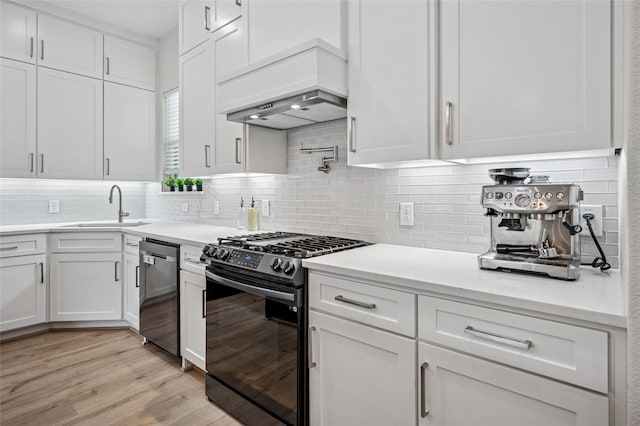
153	18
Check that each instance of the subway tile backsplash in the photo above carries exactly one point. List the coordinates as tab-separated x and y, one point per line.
349	201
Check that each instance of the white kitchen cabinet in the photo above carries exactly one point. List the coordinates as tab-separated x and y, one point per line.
224	12
129	133
69	47
17	118
17	33
458	389
69	125
197	110
85	286
194	24
391	81
254	150
132	289
192	318
361	376
129	63
23	291
524	77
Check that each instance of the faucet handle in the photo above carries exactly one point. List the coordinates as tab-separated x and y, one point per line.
124	214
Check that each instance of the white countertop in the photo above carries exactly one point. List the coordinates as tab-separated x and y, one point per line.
595	296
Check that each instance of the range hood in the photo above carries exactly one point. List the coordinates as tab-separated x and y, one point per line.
295	111
304	85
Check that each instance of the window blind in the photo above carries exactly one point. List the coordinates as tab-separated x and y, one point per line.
172	132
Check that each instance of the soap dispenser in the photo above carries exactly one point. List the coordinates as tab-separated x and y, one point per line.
252	216
242	216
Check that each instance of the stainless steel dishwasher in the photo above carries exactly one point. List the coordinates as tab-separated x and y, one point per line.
160	295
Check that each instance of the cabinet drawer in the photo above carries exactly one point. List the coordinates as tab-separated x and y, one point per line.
22	245
79	242
569	353
380	307
190	259
131	243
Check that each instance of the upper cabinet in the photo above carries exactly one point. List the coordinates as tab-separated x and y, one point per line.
17	33
69	47
129	63
390	81
194	24
524	77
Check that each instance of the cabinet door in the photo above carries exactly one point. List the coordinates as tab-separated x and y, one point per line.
224	12
362	376
197	110
192	318
195	23
85	287
129	133
17	119
389	81
461	390
524	77
17	33
69	125
129	63
131	289
23	291
69	47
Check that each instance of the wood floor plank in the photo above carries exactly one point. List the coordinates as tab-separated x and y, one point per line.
99	377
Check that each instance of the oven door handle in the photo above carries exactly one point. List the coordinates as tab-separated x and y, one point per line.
258	291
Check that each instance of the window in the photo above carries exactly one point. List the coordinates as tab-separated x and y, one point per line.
172	132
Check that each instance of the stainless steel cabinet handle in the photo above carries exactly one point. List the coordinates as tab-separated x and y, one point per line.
115	271
8	248
238	3
42	50
137	276
204	303
132	244
108	166
424	411
195	261
108	67
41	273
41	163
207	149
447	123
310	356
520	344
31	48
32	156
238	140
351	124
207	13
341	298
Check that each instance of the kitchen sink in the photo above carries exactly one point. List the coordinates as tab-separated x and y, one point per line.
106	225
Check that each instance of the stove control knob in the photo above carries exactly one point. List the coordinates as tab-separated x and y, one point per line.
222	254
211	251
288	267
276	264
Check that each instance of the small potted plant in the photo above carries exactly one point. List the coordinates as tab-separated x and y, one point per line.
180	184
170	183
198	183
188	182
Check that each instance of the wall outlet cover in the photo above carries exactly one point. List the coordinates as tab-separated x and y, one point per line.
596	222
406	214
54	206
216	207
185	207
265	208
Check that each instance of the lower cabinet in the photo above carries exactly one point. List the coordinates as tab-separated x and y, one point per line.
192	318
132	289
362	375
458	389
23	291
85	286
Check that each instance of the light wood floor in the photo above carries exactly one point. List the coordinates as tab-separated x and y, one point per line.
99	377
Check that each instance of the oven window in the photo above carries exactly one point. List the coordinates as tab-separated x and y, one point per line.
252	347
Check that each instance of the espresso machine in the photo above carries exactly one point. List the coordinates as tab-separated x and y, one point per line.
534	225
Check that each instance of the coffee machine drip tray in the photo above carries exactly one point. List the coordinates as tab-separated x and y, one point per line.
562	268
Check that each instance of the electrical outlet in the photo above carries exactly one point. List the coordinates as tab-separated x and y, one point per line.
54	206
185	207
596	222
216	207
406	214
265	208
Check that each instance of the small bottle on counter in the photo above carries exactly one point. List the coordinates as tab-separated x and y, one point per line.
252	216
242	216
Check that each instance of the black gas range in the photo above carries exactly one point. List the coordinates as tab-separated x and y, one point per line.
256	322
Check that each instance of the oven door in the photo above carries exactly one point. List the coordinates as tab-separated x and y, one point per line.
255	341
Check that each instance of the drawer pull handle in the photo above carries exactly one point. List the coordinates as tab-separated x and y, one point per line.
194	261
41	273
8	248
204	303
520	344
132	244
424	411
310	351
137	276
115	271
341	298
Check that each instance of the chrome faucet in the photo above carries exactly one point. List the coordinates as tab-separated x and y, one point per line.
121	214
